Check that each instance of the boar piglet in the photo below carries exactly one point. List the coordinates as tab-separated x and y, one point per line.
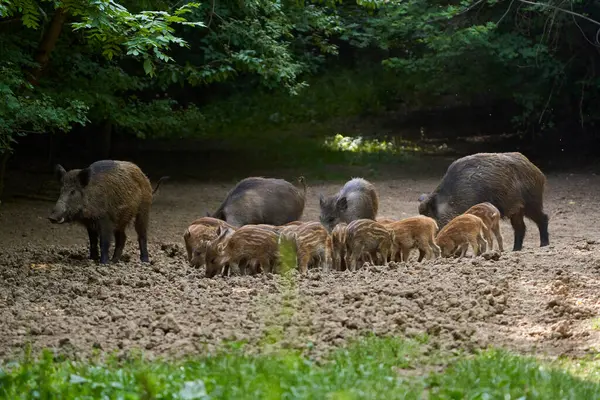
258	200
338	244
105	197
415	233
313	245
357	199
248	247
365	237
509	181
459	233
197	236
491	218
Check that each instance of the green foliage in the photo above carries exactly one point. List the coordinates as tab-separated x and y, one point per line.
23	112
232	69
372	368
109	26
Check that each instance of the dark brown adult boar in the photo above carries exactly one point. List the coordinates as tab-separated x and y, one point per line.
509	181
357	199
104	198
258	200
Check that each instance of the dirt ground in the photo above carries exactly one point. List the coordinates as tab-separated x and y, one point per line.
543	300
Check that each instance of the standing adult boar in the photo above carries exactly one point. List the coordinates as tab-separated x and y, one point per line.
357	199
509	181
258	200
104	198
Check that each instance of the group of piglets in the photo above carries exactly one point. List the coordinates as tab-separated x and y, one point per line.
246	232
259	216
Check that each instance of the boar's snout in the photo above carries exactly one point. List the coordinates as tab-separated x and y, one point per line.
56	216
55	219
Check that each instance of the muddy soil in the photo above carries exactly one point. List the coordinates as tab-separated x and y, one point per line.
543	300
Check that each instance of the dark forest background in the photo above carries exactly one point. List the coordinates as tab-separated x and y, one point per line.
270	84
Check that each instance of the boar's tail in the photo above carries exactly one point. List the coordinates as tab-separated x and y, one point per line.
302	181
164	178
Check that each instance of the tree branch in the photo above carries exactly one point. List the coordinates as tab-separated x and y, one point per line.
533	3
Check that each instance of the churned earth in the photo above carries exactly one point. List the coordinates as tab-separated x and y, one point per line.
543	300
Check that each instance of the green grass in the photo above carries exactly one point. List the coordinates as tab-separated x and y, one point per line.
373	368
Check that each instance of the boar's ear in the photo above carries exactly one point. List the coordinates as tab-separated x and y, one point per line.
342	204
84	177
208	214
59	172
321	199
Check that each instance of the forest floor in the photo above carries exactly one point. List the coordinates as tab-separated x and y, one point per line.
539	300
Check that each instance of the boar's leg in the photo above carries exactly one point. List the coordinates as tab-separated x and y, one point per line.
405	253
483	244
106	234
141	228
518	225
499	238
463	249
434	247
93	235
303	260
541	220
488	238
120	239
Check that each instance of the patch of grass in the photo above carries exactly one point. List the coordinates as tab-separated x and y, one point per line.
497	374
596	324
372	368
362	370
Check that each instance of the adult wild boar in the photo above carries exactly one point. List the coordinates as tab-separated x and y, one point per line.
104	198
357	199
507	180
258	200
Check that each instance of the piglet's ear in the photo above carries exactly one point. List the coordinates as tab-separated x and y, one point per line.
84	177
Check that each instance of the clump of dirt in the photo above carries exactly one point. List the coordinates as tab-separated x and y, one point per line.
57	298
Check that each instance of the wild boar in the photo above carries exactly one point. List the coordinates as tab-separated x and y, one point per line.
459	233
338	244
198	235
357	199
509	181
104	198
258	200
491	218
415	233
247	247
366	237
313	245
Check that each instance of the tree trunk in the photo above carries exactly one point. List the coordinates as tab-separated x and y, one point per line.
48	43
